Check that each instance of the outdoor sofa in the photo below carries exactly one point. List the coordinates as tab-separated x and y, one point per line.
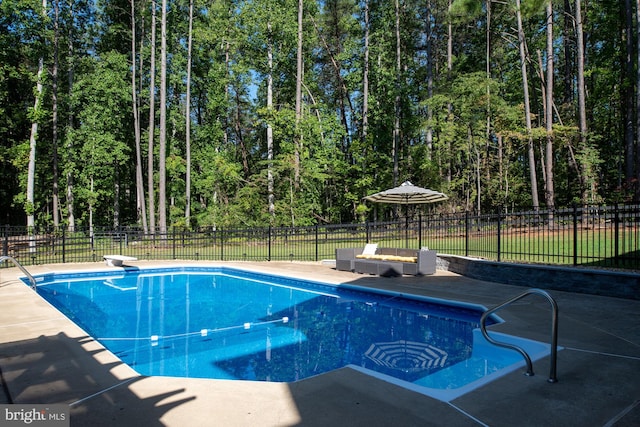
386	261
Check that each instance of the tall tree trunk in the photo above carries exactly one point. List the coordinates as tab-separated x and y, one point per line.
527	109
271	197
568	75
488	111
71	220
365	75
449	165
299	65
582	109
187	213
627	93
430	63
54	113
549	186
116	196
396	122
638	91
162	167
141	209
488	69
31	171
152	122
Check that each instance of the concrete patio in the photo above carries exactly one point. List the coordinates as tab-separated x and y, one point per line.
45	358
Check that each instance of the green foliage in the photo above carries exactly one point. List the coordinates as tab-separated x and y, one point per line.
461	127
102	138
465	9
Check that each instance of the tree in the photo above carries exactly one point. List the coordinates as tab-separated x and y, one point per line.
582	94
54	113
527	108
162	166
102	100
187	213
299	76
638	90
151	191
140	208
30	206
270	183
549	106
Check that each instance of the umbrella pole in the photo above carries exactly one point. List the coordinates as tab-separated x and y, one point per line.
406	230
406	225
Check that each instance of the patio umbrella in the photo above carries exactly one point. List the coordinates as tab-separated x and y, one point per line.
407	194
406	356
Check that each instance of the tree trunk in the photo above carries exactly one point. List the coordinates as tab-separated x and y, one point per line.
31	172
162	167
116	196
54	114
365	76
627	93
152	125
549	186
298	135
270	196
568	74
396	122
449	106
187	213
71	220
141	209
430	63
527	110
488	73
582	109
638	91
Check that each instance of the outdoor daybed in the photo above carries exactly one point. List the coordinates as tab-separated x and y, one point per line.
386	261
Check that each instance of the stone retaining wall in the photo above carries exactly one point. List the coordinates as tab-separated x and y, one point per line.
583	280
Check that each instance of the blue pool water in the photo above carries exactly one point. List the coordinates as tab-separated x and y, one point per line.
218	322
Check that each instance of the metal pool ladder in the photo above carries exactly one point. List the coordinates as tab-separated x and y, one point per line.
554	332
24	270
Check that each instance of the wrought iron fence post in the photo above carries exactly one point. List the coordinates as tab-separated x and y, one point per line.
64	246
498	235
5	242
616	238
269	243
466	233
419	230
367	230
316	230
575	235
173	243
119	236
221	244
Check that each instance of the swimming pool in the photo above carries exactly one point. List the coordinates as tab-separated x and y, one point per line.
225	323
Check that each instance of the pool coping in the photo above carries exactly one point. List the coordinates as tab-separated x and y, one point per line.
43	358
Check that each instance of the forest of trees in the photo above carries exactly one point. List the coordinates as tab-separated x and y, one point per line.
162	113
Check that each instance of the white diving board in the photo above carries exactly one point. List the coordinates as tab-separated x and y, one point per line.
117	260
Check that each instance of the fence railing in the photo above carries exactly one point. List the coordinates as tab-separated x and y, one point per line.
602	236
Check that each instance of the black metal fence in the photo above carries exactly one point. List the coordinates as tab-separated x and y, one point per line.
603	236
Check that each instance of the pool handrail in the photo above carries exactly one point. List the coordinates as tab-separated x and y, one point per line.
554	332
24	270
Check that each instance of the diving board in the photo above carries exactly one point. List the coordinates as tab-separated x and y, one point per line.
117	260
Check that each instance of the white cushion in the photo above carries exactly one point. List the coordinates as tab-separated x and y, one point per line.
370	249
